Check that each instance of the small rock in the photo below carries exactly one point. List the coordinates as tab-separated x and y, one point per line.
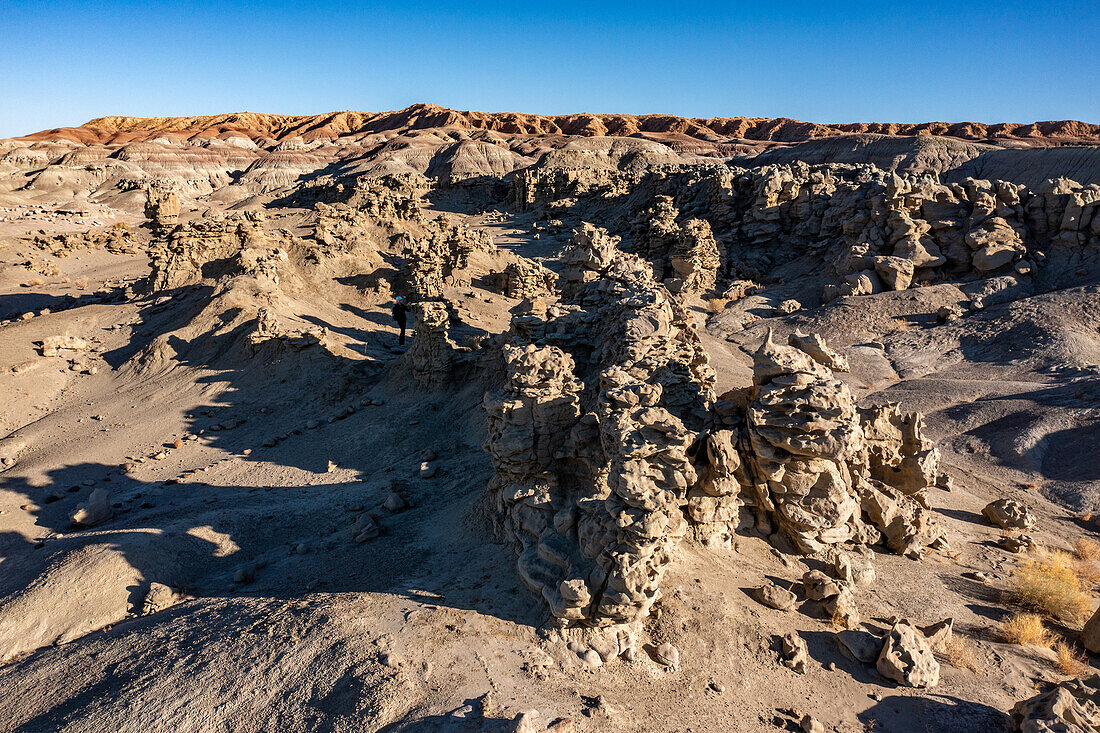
788	307
810	724
795	653
395	502
427	470
96	510
855	569
949	313
668	655
159	597
939	634
365	528
1014	544
863	646
820	586
1009	514
592	659
776	597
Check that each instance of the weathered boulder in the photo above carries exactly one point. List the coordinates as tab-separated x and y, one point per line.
1072	706
907	658
794	651
1009	514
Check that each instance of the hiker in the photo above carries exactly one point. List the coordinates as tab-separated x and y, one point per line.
400	311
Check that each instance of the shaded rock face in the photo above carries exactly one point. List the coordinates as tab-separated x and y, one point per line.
686	257
1073	705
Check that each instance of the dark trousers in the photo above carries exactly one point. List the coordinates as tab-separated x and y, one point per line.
401	339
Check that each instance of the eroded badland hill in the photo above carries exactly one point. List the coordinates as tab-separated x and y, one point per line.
699	424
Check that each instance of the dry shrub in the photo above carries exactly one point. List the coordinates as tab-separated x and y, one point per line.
1025	628
717	305
962	653
1086	549
902	326
838	621
1085	517
1050	585
121	226
1069	661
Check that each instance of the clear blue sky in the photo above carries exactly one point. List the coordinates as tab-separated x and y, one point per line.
62	63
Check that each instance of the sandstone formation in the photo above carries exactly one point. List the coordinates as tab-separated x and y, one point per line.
1069	706
190	250
525	278
430	356
1009	514
590	455
162	207
438	258
602	464
907	658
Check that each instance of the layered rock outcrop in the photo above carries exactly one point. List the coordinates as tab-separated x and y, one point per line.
441	256
587	441
162	207
431	354
867	229
524	278
609	446
198	249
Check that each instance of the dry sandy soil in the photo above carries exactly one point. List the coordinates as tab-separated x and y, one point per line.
228	587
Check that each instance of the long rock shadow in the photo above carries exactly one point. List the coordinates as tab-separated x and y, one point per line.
932	713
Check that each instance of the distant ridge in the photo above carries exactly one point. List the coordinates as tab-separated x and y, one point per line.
258	126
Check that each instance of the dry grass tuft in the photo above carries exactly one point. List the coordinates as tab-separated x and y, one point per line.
1069	661
1051	585
1026	628
717	305
1086	549
962	653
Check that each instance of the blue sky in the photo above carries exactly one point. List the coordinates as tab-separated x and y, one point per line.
62	63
